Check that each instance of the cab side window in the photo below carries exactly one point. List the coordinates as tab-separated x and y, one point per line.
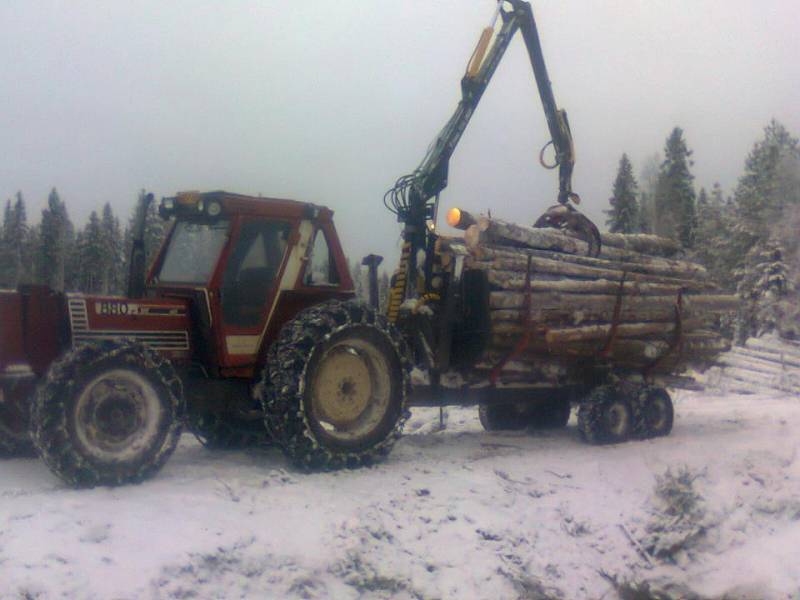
321	268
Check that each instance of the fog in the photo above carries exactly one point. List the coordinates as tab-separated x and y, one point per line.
330	102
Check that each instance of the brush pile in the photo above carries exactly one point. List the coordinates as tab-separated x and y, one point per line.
635	305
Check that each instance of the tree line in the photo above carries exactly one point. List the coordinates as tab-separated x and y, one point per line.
91	259
748	240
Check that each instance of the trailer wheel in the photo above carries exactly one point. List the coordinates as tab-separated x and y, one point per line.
500	417
335	386
15	439
605	417
108	413
656	413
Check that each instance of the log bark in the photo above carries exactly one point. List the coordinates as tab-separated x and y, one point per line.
488	231
512	283
547	266
504	233
567	335
641	242
642	264
514	277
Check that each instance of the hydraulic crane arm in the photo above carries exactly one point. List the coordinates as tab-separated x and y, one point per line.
413	196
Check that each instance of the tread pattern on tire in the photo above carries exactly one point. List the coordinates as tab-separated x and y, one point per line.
283	384
49	428
642	429
591	422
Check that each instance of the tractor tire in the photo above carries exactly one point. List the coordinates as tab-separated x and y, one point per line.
503	417
655	413
605	416
335	386
15	438
108	413
222	431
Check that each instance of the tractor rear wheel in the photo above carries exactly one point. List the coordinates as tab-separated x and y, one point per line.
606	416
335	386
108	413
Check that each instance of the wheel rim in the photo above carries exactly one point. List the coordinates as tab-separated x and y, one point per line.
617	420
351	389
117	415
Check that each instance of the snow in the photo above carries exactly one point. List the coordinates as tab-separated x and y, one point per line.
452	513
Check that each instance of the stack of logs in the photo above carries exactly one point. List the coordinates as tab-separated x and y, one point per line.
633	306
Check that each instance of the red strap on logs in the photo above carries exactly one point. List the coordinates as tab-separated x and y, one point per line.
525	339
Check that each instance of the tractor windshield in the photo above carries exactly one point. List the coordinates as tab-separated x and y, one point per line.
193	252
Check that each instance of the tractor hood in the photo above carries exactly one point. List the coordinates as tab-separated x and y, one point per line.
162	324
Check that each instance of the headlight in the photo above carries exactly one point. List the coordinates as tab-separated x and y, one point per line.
213	209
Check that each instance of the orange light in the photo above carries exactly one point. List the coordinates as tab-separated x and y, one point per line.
187	198
454	217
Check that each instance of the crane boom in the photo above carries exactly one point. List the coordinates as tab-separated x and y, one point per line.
414	197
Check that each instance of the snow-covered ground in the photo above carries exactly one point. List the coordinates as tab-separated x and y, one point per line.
458	513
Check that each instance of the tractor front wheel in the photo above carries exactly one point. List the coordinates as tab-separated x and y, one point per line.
108	413
335	386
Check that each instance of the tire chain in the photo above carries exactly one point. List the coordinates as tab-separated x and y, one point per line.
590	415
49	424
283	384
641	429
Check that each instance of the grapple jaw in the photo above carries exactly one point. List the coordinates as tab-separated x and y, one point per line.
570	220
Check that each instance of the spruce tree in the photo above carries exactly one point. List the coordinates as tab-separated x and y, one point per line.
113	277
55	241
17	261
763	285
623	217
675	197
6	254
770	184
92	258
648	182
712	234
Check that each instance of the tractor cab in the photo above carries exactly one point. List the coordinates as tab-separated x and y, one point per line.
247	265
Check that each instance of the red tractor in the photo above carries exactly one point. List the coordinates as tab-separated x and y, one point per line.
236	278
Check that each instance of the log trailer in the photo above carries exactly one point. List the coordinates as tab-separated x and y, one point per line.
245	328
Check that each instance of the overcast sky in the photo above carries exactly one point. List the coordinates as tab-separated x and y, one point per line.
331	101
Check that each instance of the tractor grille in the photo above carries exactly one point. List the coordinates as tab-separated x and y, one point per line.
157	340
